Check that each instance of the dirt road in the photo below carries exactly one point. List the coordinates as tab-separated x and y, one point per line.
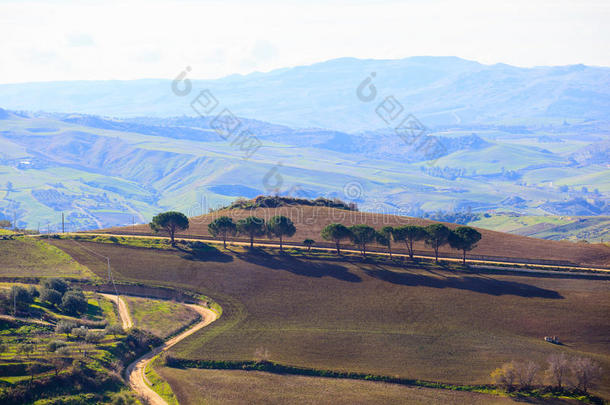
123	311
517	265
135	371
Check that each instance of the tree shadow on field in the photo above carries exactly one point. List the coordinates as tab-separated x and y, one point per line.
483	285
283	261
203	252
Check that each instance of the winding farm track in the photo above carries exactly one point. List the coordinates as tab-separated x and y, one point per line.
135	371
122	308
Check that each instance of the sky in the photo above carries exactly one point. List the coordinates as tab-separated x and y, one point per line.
100	40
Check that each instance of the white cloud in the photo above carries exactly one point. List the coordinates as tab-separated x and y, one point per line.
64	40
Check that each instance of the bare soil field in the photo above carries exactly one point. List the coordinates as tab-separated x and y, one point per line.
419	322
212	387
310	221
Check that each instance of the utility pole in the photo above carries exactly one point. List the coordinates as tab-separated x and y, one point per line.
63	226
38	228
133	223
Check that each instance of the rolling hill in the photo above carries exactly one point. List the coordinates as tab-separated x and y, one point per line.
104	172
438	90
310	221
413	320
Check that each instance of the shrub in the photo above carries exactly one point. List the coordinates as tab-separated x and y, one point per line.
94	336
33	291
50	296
64	327
114	329
20	297
56	284
55	344
505	376
586	371
80	332
74	302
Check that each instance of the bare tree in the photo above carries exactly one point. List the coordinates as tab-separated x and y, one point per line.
60	361
526	373
505	375
558	369
586	371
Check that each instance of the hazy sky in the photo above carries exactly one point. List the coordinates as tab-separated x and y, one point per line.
67	40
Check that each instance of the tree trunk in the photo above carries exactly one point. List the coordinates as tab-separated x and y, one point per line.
281	248
338	250
390	250
251	241
464	258
224	242
436	254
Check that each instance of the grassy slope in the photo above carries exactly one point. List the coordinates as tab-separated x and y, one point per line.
212	387
160	317
309	222
28	257
415	323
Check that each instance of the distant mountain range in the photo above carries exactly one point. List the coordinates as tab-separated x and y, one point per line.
472	141
437	90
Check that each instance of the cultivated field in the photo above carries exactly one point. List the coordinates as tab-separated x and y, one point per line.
417	322
309	222
216	387
29	257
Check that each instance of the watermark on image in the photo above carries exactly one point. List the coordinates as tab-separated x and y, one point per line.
406	126
225	123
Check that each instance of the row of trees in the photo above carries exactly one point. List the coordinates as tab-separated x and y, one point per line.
462	238
436	235
278	226
580	372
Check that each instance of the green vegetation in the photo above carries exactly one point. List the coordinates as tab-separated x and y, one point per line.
252	227
373	317
409	234
280	226
222	227
277	201
437	235
361	236
336	233
30	257
309	243
159	317
76	360
170	222
465	239
565	227
158	384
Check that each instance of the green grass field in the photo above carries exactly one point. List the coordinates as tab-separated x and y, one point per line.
422	323
29	257
159	317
